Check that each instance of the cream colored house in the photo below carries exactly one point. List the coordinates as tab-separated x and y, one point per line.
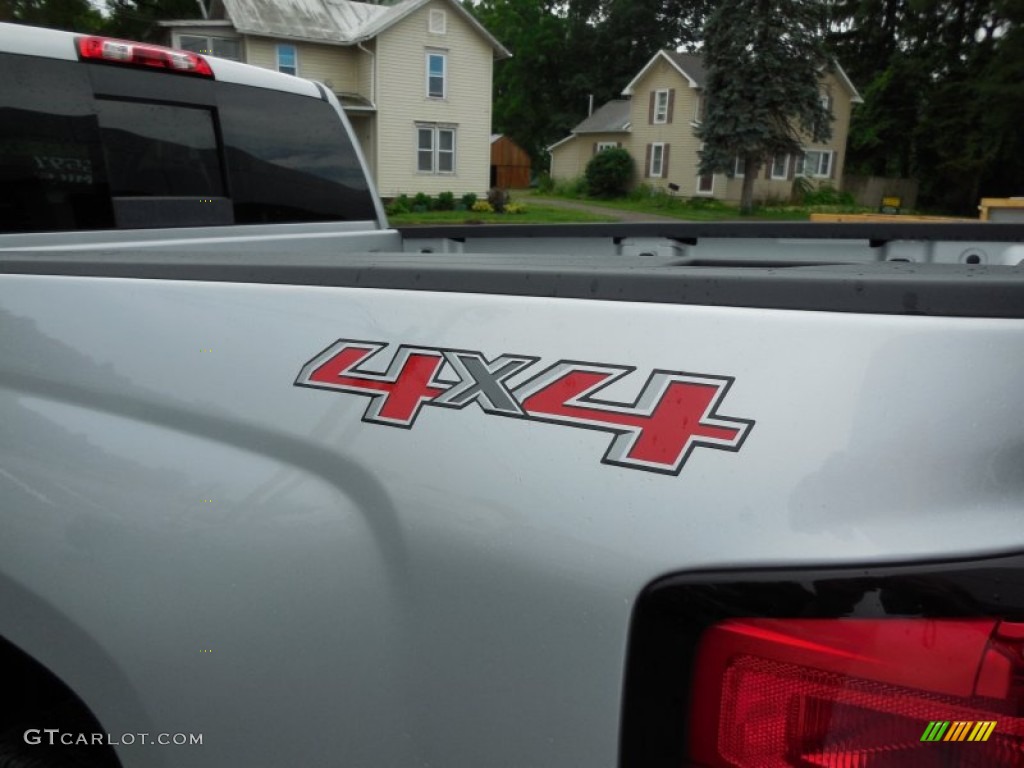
414	77
656	124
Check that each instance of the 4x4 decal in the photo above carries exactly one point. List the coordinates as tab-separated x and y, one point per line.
674	413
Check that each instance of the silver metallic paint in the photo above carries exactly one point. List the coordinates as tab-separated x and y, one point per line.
457	594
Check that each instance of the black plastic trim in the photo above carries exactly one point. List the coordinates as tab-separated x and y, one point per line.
671	614
878	233
888	288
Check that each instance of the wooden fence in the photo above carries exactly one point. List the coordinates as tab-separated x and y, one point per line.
869	190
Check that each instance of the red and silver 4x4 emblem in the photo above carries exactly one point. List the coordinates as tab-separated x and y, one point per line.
675	412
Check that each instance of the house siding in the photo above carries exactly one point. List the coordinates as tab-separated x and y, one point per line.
334	65
778	189
570	160
677	134
366	81
401	64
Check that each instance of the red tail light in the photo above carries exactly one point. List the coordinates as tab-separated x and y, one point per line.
858	693
140	55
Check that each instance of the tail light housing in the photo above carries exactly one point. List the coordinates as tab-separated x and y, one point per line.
845	693
901	666
124	52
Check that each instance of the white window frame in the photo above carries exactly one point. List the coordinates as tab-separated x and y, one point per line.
295	58
739	168
698	108
603	145
436	152
437	23
443	55
661	116
208	48
659	148
819	154
785	168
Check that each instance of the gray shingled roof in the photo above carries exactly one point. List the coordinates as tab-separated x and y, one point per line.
612	117
315	20
341	22
692	64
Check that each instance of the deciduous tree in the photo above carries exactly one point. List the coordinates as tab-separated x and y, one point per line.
72	15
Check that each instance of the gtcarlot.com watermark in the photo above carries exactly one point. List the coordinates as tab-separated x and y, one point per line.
55	736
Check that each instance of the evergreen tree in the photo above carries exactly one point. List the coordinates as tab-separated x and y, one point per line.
764	61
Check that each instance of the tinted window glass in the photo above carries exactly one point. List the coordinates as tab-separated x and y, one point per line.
289	158
217	46
51	167
155	150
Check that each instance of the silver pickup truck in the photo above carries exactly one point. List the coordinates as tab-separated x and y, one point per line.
283	486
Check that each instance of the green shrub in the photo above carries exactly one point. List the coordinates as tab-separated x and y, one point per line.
802	187
498	198
482	206
705	204
773	200
571	187
608	173
445	202
826	194
545	184
468	200
400	204
422	201
642	192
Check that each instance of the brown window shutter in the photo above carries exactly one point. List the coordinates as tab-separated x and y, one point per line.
618	144
664	156
832	166
768	167
650	110
671	104
792	167
594	150
647	162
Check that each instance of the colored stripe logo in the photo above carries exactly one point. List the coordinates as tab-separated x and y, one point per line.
959	730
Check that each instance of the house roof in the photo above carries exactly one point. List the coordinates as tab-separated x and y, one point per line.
354	102
691	67
196	23
332	22
845	80
692	64
612	117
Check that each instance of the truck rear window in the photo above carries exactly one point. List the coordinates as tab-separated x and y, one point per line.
143	153
52	172
159	150
289	159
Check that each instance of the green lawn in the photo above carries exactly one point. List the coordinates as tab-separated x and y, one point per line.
709	210
535	214
680	210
